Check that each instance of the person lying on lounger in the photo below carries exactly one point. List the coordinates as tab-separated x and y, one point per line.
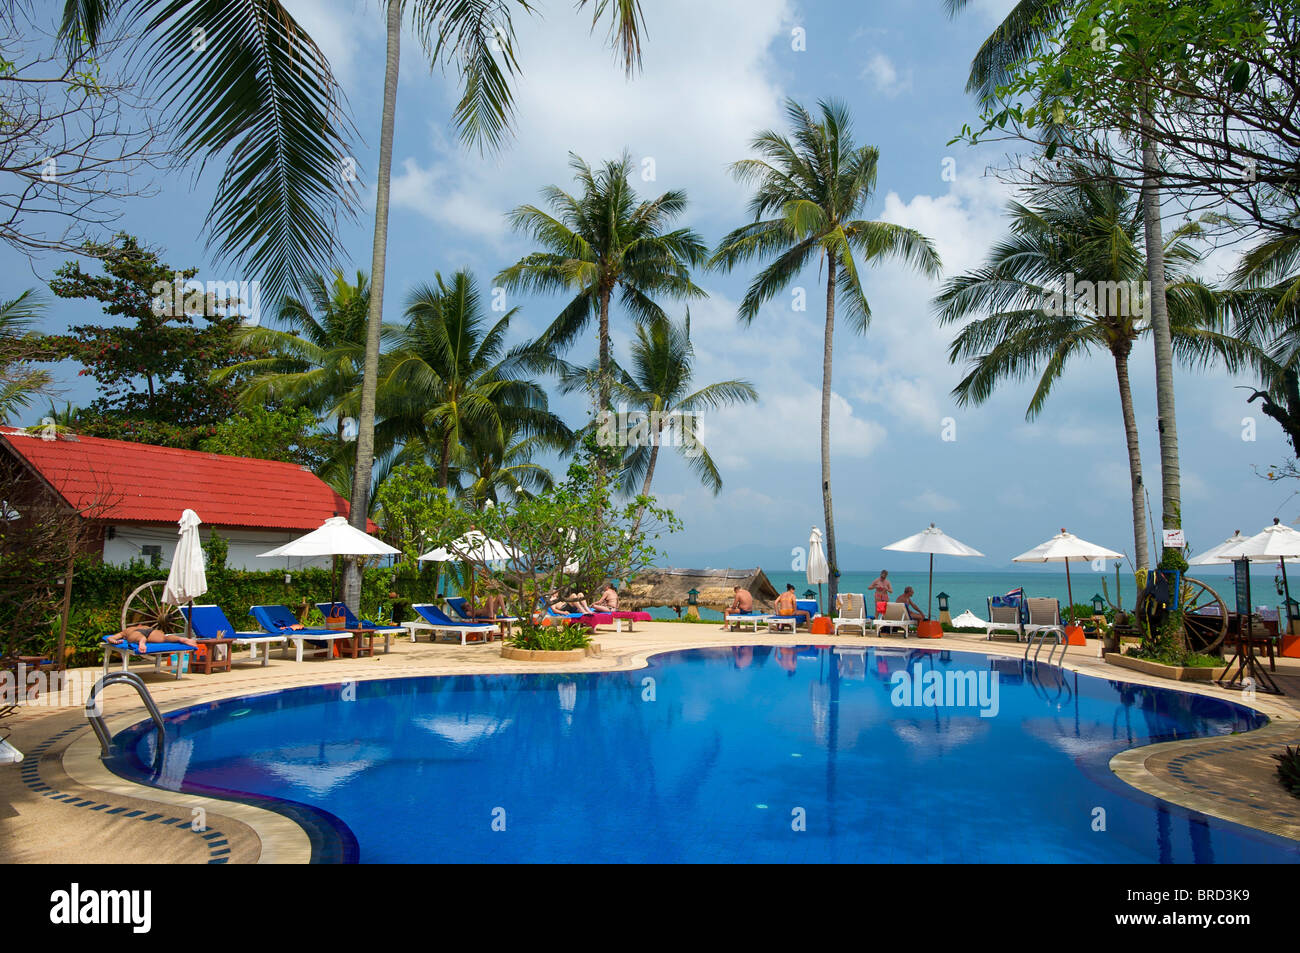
492	607
788	604
576	602
913	610
143	633
608	600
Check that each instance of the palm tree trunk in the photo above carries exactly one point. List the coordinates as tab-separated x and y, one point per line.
603	331
1170	485
1140	545
444	463
645	485
833	582
360	504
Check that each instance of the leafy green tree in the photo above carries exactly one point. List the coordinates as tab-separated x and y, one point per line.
155	372
291	436
493	466
599	242
449	380
812	186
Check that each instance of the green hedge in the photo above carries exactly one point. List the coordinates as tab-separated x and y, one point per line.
99	591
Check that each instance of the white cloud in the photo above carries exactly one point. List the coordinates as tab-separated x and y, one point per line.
884	75
929	501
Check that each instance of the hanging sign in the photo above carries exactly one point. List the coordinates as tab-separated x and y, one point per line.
1174	539
1241	581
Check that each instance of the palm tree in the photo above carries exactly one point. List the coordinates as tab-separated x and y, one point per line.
19	384
814	186
488	468
657	390
314	358
450	382
1085	236
1028	24
603	241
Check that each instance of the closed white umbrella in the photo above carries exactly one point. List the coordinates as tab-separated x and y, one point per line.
187	579
1062	548
335	537
818	569
1214	555
932	540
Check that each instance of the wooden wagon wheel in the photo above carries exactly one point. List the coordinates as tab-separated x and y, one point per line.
145	604
1204	632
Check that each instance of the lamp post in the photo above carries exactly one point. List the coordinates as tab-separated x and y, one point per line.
945	617
1098	604
693	604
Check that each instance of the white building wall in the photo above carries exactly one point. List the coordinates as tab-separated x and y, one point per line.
128	543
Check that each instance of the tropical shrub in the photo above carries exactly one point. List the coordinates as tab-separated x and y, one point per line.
549	638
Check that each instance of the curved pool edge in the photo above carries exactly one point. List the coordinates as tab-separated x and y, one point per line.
284	841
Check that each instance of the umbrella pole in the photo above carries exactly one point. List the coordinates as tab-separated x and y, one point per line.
1284	623
1069	590
929	596
819	597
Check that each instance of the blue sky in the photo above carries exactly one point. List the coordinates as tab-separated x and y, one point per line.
714	73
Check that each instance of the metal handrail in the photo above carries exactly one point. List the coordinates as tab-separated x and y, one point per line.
96	719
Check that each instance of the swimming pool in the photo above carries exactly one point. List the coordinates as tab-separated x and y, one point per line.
750	754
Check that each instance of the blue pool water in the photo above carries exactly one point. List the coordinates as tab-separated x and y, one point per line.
747	754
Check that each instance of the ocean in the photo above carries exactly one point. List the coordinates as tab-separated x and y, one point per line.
969	590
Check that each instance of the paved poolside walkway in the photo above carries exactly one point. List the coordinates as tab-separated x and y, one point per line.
62	806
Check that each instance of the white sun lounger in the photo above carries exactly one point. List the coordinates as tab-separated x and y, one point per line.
853	612
894	617
735	619
1044	616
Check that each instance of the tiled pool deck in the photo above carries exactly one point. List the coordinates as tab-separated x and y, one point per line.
61	805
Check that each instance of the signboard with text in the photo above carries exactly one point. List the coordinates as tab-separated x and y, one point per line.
1241	585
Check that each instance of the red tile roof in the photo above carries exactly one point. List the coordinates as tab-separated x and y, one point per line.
117	481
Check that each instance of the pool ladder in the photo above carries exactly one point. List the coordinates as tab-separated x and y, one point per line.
1038	638
95	716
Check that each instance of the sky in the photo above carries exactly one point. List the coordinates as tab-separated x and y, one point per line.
903	454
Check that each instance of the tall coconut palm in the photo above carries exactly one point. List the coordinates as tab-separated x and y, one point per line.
600	242
477	37
1067	281
1028	24
449	380
656	392
814	185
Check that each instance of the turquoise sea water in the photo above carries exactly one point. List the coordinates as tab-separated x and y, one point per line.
969	590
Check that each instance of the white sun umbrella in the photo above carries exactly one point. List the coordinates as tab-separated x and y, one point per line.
335	537
1214	555
474	545
1275	542
932	540
818	570
187	579
1062	548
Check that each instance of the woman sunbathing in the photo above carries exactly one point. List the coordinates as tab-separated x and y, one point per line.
143	633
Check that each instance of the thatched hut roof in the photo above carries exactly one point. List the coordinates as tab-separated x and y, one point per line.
669	587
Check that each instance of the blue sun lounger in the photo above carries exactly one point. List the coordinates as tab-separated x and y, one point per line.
460	606
129	650
350	619
209	622
434	620
280	620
